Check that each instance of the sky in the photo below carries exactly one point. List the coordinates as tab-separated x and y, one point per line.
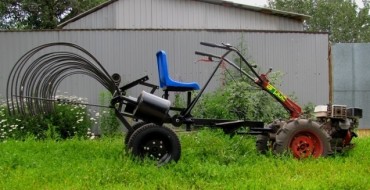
262	3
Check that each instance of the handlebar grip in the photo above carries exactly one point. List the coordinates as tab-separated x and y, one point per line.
214	45
209	44
207	54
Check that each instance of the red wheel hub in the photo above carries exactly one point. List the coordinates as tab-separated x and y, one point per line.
306	144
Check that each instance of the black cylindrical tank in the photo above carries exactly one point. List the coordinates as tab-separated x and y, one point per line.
151	108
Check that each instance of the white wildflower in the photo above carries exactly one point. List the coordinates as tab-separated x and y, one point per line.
97	114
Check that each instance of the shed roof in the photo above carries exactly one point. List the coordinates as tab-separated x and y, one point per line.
264	10
259	9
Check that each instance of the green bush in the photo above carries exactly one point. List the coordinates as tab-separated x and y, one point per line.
240	99
69	121
108	121
65	121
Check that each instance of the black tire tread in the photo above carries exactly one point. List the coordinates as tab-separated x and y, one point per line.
145	131
285	135
261	143
130	132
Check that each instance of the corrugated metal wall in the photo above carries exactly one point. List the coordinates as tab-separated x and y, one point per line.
104	18
351	77
302	57
180	14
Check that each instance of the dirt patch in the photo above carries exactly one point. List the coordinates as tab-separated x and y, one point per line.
364	132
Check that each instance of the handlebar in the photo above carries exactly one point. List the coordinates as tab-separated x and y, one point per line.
207	54
261	80
222	46
229	49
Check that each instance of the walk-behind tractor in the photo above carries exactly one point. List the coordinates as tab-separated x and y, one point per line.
34	80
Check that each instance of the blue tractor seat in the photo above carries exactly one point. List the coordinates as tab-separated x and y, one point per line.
165	81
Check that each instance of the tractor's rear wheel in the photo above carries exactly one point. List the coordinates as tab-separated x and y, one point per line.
302	138
156	142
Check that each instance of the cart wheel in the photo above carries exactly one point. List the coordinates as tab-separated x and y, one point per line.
157	142
303	138
134	128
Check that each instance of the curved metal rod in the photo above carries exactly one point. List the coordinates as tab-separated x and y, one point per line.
39	76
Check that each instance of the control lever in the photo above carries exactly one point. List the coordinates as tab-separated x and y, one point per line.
209	57
269	71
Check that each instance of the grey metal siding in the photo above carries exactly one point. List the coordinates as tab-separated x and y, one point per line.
351	77
302	57
180	14
104	18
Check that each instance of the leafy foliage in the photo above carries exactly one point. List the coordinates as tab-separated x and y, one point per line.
343	19
108	121
40	14
65	122
241	98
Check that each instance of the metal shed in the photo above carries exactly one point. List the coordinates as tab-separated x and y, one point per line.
301	57
124	35
184	14
350	77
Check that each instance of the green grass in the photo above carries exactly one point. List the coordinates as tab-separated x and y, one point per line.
210	160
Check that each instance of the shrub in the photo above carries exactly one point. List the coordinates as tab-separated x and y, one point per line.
65	121
69	121
108	121
241	100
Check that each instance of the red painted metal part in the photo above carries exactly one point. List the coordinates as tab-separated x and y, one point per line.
347	138
306	144
294	109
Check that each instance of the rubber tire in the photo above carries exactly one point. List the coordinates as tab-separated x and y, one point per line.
263	140
134	128
261	144
152	132
285	136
